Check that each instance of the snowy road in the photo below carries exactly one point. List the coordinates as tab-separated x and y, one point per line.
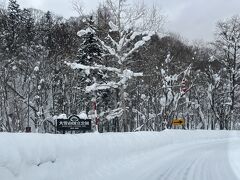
203	161
191	161
169	155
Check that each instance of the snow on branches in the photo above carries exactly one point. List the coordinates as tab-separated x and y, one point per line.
86	31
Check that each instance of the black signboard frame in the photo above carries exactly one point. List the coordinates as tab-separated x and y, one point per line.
74	123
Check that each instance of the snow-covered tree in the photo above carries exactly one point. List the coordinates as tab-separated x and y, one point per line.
227	53
119	46
90	54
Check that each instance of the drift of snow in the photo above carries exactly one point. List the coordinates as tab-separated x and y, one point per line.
167	155
168	59
128	74
113	27
96	86
125	76
134	35
61	116
88	68
82	115
143	41
36	68
84	32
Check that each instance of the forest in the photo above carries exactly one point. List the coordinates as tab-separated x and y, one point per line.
118	66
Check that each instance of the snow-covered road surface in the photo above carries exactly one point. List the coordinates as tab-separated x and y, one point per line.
203	161
168	155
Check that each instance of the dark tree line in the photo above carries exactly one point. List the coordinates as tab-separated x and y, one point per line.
138	81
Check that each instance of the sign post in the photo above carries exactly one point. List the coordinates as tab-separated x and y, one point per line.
28	129
178	122
74	123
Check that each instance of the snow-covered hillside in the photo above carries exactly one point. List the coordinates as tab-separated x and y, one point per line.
167	155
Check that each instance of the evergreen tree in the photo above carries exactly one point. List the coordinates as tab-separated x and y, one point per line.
90	54
13	28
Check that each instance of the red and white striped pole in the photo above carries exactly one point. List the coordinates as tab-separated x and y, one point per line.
183	86
96	115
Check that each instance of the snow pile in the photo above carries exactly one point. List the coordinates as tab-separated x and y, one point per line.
98	67
83	32
81	115
97	156
97	86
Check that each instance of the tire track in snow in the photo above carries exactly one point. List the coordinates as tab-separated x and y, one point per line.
204	161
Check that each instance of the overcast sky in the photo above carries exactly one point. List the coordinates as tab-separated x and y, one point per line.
193	19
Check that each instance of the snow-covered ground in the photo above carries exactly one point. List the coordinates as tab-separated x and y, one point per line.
167	155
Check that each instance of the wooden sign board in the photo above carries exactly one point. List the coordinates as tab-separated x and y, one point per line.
178	122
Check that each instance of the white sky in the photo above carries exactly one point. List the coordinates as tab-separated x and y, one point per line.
193	19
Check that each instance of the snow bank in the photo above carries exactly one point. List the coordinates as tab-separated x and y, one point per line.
89	156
